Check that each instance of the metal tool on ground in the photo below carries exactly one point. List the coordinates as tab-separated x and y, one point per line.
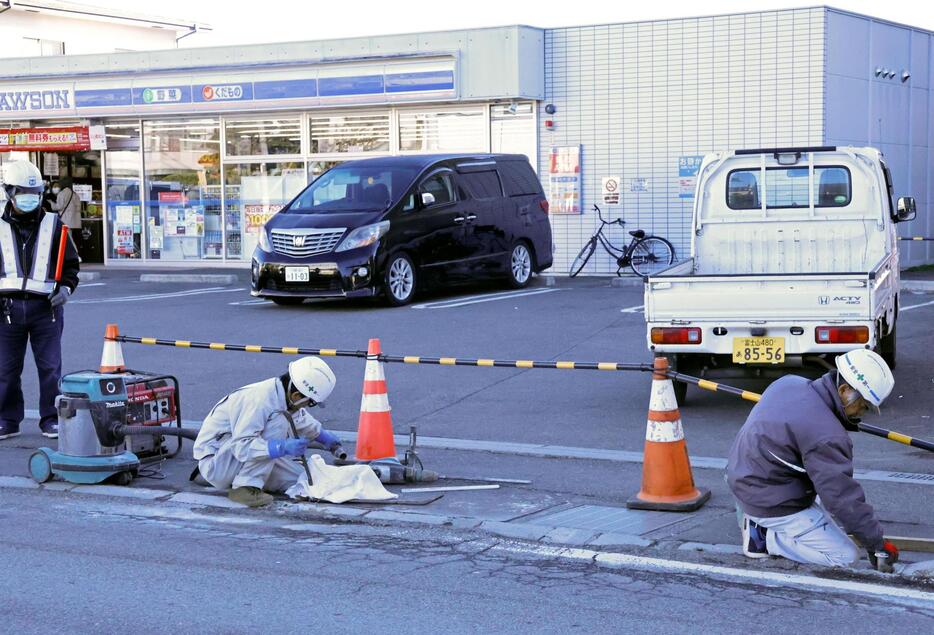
393	472
302	459
453	488
891	435
489	479
667	480
92	428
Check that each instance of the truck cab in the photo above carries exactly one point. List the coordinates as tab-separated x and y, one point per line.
794	260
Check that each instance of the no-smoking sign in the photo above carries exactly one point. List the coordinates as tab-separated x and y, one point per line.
611	190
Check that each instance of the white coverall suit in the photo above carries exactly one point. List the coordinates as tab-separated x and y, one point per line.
231	448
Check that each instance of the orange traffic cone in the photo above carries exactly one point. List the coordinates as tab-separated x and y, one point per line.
667	482
112	357
374	434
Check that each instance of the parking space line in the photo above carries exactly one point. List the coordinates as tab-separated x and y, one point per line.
633	309
85	285
493	297
160	296
916	306
253	302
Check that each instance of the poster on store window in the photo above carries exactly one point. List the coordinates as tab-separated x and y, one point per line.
123	239
84	192
258	215
50	164
564	180
155	235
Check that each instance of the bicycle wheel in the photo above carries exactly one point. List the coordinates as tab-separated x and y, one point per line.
585	253
651	255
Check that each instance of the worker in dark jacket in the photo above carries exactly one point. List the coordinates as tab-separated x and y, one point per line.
31	299
792	463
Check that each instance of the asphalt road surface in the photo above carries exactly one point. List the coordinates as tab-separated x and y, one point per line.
83	567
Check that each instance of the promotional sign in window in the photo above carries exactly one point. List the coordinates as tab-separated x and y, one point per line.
74	138
257	215
688	166
564	180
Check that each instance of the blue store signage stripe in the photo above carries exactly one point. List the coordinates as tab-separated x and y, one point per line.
414	82
348	86
285	89
103	97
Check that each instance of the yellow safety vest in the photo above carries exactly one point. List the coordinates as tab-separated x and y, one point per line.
41	278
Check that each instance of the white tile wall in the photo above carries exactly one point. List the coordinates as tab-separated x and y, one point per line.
638	96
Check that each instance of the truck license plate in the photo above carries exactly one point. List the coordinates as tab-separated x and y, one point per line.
758	350
296	274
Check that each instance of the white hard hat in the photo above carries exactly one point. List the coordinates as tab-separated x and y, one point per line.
868	374
22	177
312	377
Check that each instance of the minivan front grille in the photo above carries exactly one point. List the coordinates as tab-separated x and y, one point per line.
300	243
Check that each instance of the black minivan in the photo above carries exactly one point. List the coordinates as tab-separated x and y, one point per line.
392	225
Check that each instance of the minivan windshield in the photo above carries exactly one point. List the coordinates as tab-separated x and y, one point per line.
354	188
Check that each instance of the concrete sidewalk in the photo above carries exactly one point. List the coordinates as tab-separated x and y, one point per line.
553	509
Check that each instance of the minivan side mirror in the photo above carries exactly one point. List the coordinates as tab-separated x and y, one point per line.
429	199
906	209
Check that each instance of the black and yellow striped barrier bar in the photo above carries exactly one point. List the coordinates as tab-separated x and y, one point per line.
891	435
392	359
915	238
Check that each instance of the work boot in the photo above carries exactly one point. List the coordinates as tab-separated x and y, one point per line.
250	496
8	430
49	428
754	545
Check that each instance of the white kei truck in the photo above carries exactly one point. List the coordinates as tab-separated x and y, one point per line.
794	260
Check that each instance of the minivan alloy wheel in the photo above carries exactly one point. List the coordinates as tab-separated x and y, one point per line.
401	279
520	264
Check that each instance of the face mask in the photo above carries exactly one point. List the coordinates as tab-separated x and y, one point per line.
26	202
56	190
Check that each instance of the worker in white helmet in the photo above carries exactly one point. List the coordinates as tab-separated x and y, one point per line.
31	300
246	444
791	467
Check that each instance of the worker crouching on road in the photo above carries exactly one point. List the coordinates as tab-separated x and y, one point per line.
792	463
244	444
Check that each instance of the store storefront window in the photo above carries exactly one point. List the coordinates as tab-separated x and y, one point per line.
254	192
349	133
317	168
512	131
183	189
255	137
122	186
442	131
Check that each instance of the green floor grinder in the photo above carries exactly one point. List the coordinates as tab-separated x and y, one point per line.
93	414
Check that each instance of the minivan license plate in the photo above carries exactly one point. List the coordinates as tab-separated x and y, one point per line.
296	274
758	350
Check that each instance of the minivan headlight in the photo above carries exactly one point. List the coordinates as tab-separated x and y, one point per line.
363	236
264	243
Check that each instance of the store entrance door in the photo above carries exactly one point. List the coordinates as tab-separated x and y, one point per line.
76	175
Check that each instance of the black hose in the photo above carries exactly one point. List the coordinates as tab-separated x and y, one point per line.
157	430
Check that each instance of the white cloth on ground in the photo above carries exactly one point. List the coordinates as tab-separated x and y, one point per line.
232	445
339	484
810	536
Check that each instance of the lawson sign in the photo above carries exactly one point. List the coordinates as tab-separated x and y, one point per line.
36	100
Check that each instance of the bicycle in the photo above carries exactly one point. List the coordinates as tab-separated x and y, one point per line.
644	254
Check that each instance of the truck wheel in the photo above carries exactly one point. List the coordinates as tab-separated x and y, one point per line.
887	348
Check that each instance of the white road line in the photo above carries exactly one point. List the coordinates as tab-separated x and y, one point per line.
633	309
451	304
254	302
85	285
878	592
916	306
160	296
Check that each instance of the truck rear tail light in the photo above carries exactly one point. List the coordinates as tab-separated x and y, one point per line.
544	205
676	335
841	334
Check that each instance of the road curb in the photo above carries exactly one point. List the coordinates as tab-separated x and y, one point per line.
614	281
924	286
214	278
88	276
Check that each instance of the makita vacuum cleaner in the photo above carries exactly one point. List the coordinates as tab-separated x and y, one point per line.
95	411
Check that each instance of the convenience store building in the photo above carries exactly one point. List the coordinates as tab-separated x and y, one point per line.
192	150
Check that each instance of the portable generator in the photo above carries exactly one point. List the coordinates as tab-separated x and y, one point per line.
96	416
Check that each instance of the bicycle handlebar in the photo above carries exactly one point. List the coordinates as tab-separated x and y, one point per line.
618	221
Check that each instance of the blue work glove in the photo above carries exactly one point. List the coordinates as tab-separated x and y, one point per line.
291	447
328	439
60	297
